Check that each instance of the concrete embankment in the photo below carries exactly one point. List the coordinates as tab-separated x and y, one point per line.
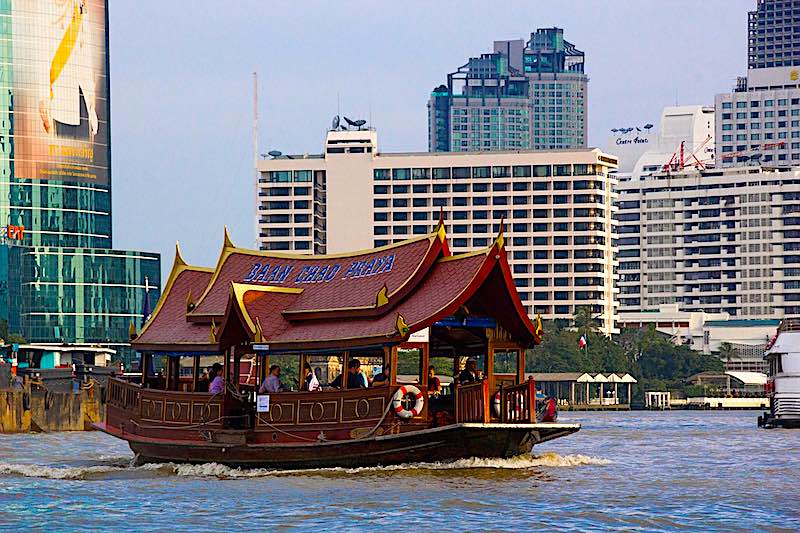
34	409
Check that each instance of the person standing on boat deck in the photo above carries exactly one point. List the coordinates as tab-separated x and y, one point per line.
310	381
470	373
273	381
217	383
382	377
434	383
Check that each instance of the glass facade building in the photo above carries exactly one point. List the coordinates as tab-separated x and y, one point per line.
61	279
521	96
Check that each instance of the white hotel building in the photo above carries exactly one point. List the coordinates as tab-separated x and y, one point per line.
711	240
557	207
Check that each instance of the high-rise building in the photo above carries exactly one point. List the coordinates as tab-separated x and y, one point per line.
759	122
703	238
717	240
523	95
556	207
60	278
774	34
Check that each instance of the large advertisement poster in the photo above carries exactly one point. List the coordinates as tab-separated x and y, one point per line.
60	90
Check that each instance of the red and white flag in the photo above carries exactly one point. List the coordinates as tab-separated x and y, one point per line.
582	342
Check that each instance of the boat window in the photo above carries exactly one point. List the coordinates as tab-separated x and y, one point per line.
505	361
372	362
290	369
326	366
409	365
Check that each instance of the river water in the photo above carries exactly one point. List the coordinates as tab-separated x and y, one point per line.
639	470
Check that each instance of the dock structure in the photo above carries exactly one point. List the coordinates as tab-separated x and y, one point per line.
581	391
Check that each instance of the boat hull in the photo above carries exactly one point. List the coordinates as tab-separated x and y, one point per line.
448	443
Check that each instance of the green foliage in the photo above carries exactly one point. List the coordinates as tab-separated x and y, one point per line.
727	352
653	359
559	352
8	337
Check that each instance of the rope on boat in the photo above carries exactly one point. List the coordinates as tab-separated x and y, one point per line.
279	430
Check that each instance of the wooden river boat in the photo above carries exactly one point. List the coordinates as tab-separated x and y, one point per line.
412	299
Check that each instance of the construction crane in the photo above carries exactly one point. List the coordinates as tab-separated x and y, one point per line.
678	161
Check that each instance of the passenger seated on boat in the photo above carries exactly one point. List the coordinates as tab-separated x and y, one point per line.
202	382
273	381
354	378
382	377
217	383
470	373
310	381
434	383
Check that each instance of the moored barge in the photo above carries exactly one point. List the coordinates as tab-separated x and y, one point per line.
412	301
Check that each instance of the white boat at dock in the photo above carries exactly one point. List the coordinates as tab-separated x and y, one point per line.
783	384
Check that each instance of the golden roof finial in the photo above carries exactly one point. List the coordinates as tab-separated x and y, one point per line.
500	241
382	298
228	243
538	328
179	260
132	331
212	335
259	337
400	324
189	302
440	231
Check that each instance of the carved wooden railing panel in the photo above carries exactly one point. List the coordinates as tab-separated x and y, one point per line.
123	395
180	408
319	408
472	402
518	403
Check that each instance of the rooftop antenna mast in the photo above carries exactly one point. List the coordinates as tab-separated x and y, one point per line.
255	153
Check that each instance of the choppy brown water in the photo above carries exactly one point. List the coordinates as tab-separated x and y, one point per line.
648	471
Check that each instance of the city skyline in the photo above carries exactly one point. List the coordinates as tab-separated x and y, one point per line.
182	109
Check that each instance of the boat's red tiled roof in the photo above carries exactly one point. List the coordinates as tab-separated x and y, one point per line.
446	282
329	283
168	324
296	302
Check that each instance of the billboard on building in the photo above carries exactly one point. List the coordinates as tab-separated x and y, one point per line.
60	90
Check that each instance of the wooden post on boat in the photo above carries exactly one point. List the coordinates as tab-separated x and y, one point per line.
195	372
487	414
488	375
345	369
531	401
520	365
393	363
237	359
424	363
145	364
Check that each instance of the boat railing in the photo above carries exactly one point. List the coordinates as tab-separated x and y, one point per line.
329	407
123	394
518	403
472	402
173	408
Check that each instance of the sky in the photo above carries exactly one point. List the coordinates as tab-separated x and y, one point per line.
182	87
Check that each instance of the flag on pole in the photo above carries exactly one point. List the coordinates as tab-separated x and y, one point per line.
582	342
146	310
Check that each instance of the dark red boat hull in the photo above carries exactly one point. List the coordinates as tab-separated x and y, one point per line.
448	443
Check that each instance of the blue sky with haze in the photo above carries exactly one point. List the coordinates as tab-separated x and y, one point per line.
181	78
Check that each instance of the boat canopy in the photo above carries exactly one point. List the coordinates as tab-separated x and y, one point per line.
283	302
